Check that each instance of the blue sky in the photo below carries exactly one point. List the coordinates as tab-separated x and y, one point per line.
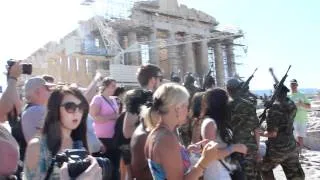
278	33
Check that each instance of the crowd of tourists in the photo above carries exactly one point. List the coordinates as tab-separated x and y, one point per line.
160	130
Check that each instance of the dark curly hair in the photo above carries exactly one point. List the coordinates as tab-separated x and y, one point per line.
135	98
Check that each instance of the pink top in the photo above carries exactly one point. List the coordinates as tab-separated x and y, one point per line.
105	129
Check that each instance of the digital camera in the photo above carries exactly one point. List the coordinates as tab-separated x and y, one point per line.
26	67
77	163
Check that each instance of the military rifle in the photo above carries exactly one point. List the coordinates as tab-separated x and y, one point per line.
245	85
275	94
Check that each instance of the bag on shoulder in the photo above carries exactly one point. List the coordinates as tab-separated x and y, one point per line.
236	174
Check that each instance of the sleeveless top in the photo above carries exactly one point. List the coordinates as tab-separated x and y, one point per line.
158	172
45	161
215	170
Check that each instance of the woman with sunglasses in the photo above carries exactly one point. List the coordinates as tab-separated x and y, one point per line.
64	128
105	111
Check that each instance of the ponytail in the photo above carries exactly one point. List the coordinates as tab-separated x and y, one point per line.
148	117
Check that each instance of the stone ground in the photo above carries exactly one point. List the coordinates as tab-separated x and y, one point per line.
310	162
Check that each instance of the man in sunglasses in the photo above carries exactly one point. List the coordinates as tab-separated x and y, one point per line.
37	92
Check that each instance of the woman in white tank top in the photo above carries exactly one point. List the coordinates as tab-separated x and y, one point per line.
214	106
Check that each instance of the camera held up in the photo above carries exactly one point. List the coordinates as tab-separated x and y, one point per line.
26	67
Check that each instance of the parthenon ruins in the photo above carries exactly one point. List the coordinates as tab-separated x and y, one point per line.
162	32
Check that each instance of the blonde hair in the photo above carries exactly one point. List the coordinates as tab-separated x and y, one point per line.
164	97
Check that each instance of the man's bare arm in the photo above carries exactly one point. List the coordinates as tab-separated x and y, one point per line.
91	90
10	95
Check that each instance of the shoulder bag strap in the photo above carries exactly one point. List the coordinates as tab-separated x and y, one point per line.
110	104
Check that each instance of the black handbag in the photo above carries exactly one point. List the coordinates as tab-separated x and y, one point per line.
236	174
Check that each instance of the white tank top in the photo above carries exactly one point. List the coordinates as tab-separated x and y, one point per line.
215	171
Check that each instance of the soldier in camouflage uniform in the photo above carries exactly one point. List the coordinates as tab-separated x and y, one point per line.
249	95
244	122
281	145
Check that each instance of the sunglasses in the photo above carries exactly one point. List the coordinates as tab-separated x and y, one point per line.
72	107
160	78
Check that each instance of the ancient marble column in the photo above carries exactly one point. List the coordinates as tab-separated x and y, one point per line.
132	41
231	65
153	48
173	57
203	58
64	69
189	63
219	65
83	71
73	70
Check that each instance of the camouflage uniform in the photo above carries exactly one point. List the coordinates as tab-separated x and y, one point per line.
243	121
250	97
282	149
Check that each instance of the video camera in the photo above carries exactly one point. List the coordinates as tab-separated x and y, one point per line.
26	67
77	163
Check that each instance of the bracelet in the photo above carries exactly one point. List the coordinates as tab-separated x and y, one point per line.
229	149
14	78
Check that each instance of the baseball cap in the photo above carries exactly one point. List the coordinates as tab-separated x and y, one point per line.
293	81
36	82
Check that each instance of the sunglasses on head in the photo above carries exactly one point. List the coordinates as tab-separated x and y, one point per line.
71	107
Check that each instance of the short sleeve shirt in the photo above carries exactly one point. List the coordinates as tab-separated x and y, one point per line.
105	129
302	113
32	121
